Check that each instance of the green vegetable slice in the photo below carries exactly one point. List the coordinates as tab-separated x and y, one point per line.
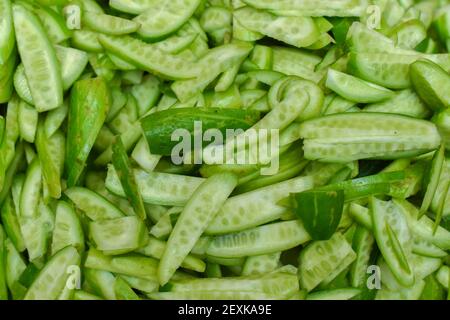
120	235
193	220
108	24
159	127
52	278
320	211
68	230
35	49
430	81
149	57
264	239
385	217
7	36
355	89
296	31
163	17
89	105
124	171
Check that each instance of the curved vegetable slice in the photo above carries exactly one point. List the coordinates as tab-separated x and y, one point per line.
257	207
7	78
89	105
390	70
68	230
130	6
162	17
362	243
35	49
149	57
265	239
296	31
437	165
72	63
94	205
21	85
193	220
352	136
316	8
120	235
157	187
7	35
159	127
52	278
388	226
54	24
108	24
322	261
355	89
431	82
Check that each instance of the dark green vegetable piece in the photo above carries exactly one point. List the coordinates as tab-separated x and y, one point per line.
320	212
89	104
159	126
125	173
377	184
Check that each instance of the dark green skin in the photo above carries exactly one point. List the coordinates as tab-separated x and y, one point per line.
125	173
89	104
320	212
28	275
370	185
432	84
159	126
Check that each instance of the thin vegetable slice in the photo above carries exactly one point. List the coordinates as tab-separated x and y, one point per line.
193	220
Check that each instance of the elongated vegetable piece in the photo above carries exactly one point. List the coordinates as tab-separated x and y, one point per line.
108	24
338	8
149	57
193	220
256	207
355	89
127	179
89	105
35	49
68	230
163	17
6	25
157	187
95	206
352	136
161	127
265	239
431	83
387	69
315	264
52	278
296	31
120	235
437	165
387	218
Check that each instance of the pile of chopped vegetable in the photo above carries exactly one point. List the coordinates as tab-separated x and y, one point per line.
94	206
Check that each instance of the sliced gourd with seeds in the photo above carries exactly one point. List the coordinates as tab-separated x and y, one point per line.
39	59
53	277
193	220
162	17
